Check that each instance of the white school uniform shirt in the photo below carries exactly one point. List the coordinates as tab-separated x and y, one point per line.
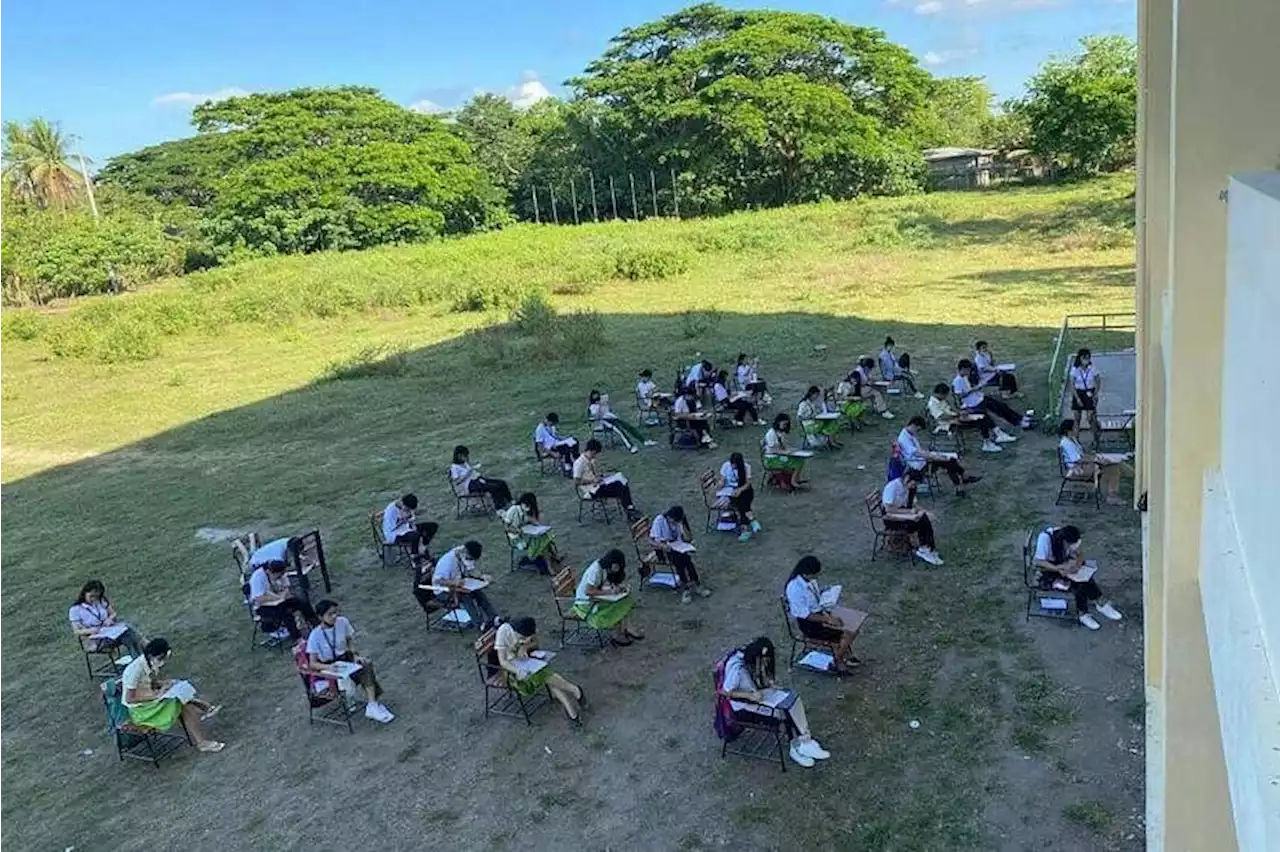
939	409
645	389
729	473
260	584
1084	378
746	375
889	367
661	529
1071	452
912	453
808	411
450	569
772	442
970	397
461	475
546	436
985	363
738	679
695	374
89	615
895	495
720	392
592	576
394	523
329	643
1044	546
136	674
682	405
272	551
804	597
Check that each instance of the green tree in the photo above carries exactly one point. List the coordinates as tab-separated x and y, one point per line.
958	112
36	164
1082	111
499	135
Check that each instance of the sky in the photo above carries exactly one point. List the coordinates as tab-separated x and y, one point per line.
119	81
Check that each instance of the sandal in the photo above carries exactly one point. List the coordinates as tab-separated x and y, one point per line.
636	636
211	746
210	713
621	643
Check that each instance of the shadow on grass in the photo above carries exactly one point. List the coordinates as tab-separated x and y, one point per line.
1115	275
1110	215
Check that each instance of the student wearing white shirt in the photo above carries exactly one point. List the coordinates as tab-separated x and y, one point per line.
804	603
665	530
593	602
973	399
649	399
141	693
551	443
735	479
1058	555
749	671
742	407
699	374
514	646
269	592
465	479
1102	468
864	387
849	400
896	368
588	476
749	380
401	526
900	513
332	641
817	431
538	550
687	404
984	362
91	612
451	572
776	458
1085	384
941	411
918	459
602	417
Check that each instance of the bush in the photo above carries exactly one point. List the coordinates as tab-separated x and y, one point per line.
581	333
534	315
697	323
649	264
490	347
123	340
372	362
22	325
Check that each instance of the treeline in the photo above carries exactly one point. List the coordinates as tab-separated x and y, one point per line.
739	108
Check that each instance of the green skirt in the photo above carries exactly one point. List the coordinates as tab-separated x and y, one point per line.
537	545
823	427
783	463
533	684
603	615
853	409
159	714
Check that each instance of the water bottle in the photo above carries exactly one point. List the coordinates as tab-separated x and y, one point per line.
1028	418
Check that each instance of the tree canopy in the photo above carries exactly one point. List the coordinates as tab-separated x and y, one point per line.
36	164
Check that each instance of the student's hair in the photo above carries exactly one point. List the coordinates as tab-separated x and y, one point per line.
807	566
888	341
706	365
614	563
964	365
1070	533
742	357
409	501
524	625
759	654
646	373
92	586
675	513
1060	538
1080	356
722	377
460	454
739	465
594	396
277	566
593	446
157	648
942	388
1066	427
529	500
866	362
812	390
980	345
473	549
917	421
553	418
780	418
324	606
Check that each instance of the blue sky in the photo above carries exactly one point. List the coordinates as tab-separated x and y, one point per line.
123	79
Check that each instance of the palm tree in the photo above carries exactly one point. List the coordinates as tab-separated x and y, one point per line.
35	163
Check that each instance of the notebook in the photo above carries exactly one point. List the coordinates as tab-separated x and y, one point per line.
682	547
1084	573
1114	458
113	632
1006	368
827	415
831	595
535	529
800	454
545	656
525	667
474	584
610	598
181	690
779	699
614	477
342	668
725	492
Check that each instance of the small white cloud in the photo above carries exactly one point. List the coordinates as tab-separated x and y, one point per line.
929	7
190	99
426	107
942	57
528	92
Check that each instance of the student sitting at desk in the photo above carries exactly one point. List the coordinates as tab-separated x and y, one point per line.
604	602
941	411
1059	558
524	528
465	479
671	539
649	399
269	592
1085	385
92	614
901	513
817	428
864	387
749	379
1104	468
452	571
552	443
602	417
918	459
741	406
589	478
332	641
778	456
897	368
699	376
158	704
516	651
735	485
848	399
401	526
989	372
749	684
973	399
687	411
818	620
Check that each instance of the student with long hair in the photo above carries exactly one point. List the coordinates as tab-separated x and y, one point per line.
539	548
1085	385
735	485
143	694
400	525
92	612
919	460
551	442
1058	556
687	404
749	673
515	647
848	397
603	601
466	479
864	387
749	379
984	363
973	399
599	413
742	407
897	368
776	453
333	640
817	621
667	532
817	430
589	475
1103	468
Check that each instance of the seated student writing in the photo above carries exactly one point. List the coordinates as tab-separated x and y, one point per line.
269	592
687	411
401	526
466	479
159	704
941	411
778	455
749	682
749	379
1103	468
848	399
897	368
92	613
552	443
1085	385
973	399
827	623
589	478
918	459
698	377
671	539
1062	563
602	417
452	571
741	406
603	601
989	372
649	399
332	641
864	388
901	513
516	652
817	428
523	524
734	483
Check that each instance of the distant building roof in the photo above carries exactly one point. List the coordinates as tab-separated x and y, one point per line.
932	154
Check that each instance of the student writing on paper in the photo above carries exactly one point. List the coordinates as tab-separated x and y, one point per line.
749	380
552	443
804	602
333	640
864	387
649	400
849	401
1085	385
940	410
973	399
984	364
451	572
466	480
697	378
514	642
687	404
269	592
742	407
142	693
735	483
1057	556
595	603
776	454
817	431
748	672
604	419
666	532
1102	468
900	513
589	475
400	525
919	460
92	612
539	549
897	368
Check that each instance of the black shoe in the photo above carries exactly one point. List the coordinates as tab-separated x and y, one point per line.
639	637
575	721
969	480
960	492
621	643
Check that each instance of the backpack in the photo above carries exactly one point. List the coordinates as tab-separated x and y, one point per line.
727	728
117	713
896	466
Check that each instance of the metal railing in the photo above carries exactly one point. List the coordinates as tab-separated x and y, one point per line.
1058	366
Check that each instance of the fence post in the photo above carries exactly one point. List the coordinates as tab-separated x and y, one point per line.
613	195
536	219
675	192
595	216
653	191
635	214
573	193
554	214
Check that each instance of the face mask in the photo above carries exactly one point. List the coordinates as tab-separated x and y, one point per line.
468	564
156	665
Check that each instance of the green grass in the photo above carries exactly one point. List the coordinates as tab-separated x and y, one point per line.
294	418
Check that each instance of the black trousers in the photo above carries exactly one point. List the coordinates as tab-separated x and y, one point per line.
496	488
282	615
904	361
365	677
1001	409
685	570
698	425
923	528
616	491
758	718
741	503
476	604
1083	592
984	426
952	467
742	408
567	453
757	387
419	537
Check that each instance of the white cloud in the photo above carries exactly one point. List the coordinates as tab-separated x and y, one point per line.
528	91
427	107
929	7
942	57
190	99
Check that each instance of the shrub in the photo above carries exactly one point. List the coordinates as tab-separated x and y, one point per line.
22	325
649	264
534	315
697	323
581	333
372	362
120	340
489	347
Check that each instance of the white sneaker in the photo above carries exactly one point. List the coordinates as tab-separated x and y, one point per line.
378	712
811	748
923	553
919	395
932	556
989	447
651	443
887	415
711	445
800	757
1110	612
1003	437
1090	622
634	449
